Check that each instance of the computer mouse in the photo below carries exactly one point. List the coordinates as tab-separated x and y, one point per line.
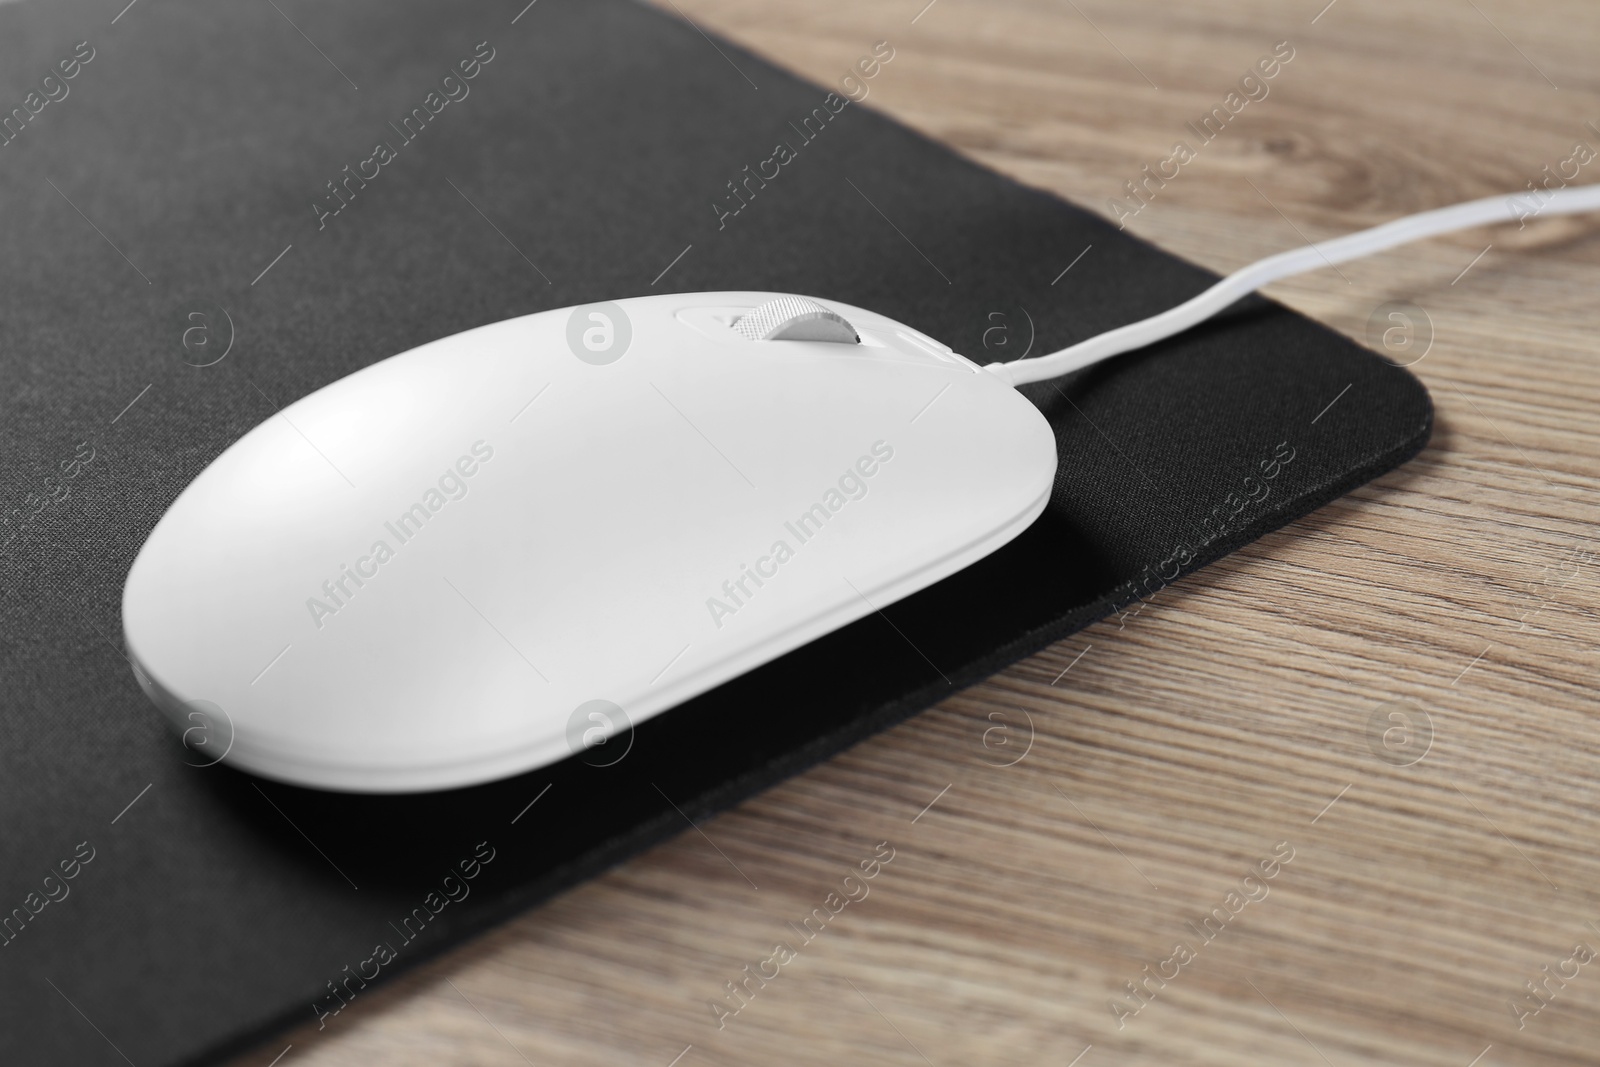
489	553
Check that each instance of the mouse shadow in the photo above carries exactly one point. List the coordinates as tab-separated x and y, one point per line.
403	842
656	778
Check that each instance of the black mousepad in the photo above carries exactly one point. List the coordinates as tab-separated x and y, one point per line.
212	211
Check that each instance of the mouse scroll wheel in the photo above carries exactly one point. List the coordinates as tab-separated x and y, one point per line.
791	318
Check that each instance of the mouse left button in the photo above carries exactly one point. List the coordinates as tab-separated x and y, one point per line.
793	318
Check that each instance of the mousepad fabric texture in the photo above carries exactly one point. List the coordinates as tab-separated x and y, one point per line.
574	153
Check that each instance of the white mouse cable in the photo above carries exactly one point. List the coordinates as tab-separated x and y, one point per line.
1283	265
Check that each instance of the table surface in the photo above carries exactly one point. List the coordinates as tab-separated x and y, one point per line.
1395	692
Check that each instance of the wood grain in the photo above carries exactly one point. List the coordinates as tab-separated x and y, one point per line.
1172	751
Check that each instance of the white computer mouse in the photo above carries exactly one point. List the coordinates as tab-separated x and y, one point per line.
422	575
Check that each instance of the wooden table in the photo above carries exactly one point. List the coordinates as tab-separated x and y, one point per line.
1443	847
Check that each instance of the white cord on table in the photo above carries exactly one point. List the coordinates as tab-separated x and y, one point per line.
1283	265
